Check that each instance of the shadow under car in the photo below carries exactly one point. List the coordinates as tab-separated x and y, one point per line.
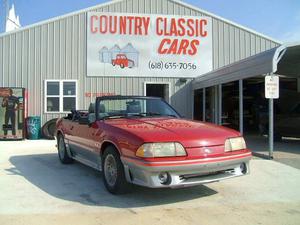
82	184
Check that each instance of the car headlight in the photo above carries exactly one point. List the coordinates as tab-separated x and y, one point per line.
234	144
169	149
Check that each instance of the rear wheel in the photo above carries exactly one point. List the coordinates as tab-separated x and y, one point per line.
62	151
122	66
113	172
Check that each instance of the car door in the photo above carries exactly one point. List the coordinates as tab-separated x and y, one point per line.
68	132
87	143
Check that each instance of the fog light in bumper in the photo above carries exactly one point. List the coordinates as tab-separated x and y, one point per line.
164	178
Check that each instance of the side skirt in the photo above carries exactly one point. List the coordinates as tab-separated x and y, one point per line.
96	166
88	163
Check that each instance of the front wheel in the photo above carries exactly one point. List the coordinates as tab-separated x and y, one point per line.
113	172
62	151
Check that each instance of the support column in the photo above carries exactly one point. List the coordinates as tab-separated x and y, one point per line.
220	104
193	103
215	105
241	107
204	105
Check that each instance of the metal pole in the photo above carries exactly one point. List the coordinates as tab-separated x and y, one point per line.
271	127
241	107
204	105
216	105
220	104
193	104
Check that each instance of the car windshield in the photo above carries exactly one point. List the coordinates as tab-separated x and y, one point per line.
134	107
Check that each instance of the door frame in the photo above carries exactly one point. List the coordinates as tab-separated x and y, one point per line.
158	82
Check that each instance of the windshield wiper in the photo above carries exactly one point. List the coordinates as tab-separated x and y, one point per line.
142	114
145	114
115	116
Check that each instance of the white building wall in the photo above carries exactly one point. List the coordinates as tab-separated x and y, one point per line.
56	49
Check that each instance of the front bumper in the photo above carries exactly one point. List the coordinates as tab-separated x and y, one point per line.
185	173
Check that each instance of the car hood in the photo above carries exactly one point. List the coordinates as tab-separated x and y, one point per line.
189	133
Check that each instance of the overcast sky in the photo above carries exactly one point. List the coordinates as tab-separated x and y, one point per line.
279	19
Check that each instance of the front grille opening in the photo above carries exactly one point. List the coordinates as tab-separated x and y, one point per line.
188	176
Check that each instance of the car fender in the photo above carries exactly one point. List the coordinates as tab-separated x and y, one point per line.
111	141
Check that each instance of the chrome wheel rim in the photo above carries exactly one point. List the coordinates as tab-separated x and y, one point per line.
61	148
110	170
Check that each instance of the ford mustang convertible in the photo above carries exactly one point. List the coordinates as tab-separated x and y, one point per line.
144	141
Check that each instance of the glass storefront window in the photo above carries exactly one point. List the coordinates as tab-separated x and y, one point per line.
210	105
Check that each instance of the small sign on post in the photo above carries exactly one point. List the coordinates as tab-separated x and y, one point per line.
272	87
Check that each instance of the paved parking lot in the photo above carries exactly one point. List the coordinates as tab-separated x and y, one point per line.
37	189
286	151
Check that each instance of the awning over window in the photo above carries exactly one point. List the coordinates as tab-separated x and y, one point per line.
282	60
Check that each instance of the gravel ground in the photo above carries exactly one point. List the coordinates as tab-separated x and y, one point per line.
37	189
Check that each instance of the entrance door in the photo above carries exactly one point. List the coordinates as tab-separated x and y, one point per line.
198	105
161	90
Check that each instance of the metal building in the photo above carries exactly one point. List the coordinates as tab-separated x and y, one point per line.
53	53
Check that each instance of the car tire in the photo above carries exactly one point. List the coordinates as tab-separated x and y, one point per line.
113	63
62	151
113	172
122	66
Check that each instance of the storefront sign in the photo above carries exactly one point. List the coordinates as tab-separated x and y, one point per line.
140	45
272	87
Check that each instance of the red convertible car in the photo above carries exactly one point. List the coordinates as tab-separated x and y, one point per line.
144	141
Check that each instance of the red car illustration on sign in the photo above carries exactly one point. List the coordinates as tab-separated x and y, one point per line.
144	141
122	61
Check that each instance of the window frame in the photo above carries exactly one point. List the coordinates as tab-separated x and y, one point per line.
61	95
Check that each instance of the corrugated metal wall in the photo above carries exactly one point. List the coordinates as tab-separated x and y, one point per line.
57	50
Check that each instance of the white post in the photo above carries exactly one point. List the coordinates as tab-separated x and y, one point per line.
193	103
271	127
215	105
220	104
